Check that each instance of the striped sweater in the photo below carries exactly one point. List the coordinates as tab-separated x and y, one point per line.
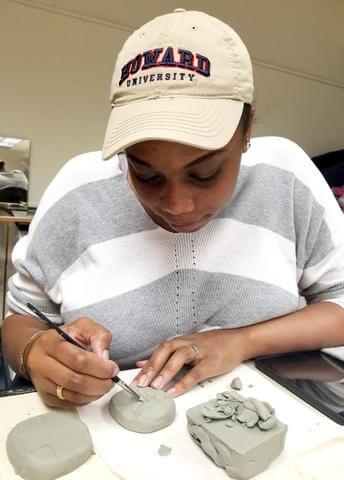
93	251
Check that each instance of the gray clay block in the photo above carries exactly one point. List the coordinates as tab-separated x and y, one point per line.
49	445
156	412
242	450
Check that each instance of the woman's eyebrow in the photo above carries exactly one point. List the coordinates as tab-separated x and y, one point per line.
203	158
197	161
134	159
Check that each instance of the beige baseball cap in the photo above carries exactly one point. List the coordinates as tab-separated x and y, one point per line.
182	77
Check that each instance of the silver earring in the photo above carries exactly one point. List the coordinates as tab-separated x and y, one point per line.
248	144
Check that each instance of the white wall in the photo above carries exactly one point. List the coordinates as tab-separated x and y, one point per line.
56	71
54	85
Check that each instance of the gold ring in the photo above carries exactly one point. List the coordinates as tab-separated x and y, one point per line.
59	393
195	351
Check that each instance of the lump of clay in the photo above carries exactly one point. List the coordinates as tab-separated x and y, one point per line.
241	435
164	450
48	446
236	383
156	412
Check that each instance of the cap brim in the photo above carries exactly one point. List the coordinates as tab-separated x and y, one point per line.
199	122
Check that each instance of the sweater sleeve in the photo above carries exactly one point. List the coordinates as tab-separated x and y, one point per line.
24	288
40	257
319	226
29	283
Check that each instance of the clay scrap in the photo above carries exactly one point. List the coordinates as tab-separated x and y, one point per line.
48	446
236	384
241	435
164	450
156	412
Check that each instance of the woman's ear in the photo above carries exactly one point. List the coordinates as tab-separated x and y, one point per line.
246	146
247	135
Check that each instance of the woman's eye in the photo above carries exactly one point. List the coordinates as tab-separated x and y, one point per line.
148	178
205	179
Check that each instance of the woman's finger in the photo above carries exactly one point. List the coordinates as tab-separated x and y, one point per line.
75	358
194	376
153	366
47	386
78	382
185	354
60	374
141	363
69	396
155	371
53	401
90	333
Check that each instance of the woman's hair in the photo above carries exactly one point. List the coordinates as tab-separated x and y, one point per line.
245	117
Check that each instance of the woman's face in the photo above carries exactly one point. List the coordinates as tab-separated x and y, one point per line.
182	187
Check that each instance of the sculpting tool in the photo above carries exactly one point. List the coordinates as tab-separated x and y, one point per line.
69	339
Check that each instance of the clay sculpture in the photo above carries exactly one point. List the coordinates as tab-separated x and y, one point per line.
48	446
156	412
241	435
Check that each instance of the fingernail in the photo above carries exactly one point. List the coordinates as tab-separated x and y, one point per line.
142	381
171	391
157	382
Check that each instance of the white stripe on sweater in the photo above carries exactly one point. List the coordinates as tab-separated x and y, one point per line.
78	171
321	272
151	256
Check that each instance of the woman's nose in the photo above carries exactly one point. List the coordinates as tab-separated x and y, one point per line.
176	200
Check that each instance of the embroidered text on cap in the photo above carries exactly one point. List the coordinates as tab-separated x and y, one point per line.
166	57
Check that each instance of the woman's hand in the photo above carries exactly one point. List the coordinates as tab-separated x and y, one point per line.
208	353
84	375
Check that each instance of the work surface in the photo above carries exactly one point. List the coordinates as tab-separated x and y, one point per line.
313	450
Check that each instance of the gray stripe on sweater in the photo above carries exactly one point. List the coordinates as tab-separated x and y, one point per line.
93	213
269	208
99	211
320	291
140	319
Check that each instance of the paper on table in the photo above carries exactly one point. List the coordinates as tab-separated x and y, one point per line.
134	456
320	463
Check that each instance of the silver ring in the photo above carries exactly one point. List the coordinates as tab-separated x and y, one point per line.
195	351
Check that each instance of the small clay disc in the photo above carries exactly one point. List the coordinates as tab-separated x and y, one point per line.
48	446
156	412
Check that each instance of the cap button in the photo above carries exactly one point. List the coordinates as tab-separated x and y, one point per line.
177	10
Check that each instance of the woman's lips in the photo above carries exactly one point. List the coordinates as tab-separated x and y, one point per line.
186	227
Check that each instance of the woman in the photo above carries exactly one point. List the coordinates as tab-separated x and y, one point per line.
189	247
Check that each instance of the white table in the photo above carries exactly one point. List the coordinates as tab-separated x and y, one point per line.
313	450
